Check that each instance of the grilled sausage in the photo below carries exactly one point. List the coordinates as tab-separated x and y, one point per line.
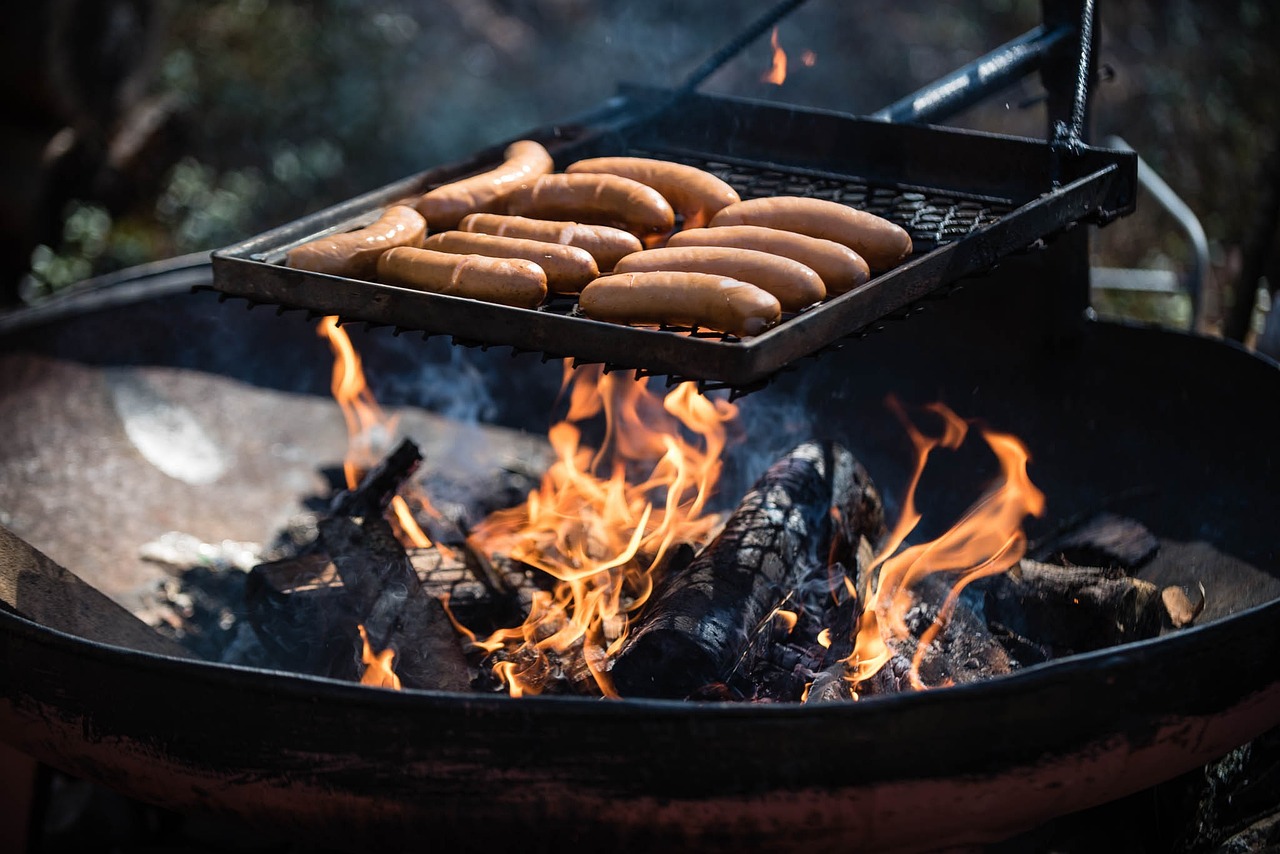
444	206
355	253
794	284
695	194
692	299
604	243
597	199
882	243
510	281
568	268
840	268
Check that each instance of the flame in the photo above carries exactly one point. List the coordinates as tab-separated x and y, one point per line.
369	429
602	519
787	618
777	73
808	59
987	540
377	671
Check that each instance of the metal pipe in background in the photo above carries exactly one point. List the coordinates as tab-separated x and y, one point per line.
972	83
1164	195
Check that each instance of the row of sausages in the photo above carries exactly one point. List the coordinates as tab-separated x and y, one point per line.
518	232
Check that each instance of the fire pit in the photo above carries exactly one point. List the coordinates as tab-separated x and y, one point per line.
1162	427
342	761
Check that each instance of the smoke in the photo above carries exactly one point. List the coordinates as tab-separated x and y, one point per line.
454	387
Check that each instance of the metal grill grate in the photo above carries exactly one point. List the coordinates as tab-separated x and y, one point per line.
931	218
967	201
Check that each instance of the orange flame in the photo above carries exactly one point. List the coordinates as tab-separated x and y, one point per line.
987	540
602	519
377	671
369	429
788	618
777	73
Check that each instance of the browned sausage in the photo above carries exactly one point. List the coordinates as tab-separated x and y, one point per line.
510	281
605	243
794	284
695	194
568	268
597	199
446	205
686	299
355	253
840	268
882	243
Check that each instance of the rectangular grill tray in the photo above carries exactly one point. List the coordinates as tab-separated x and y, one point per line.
968	199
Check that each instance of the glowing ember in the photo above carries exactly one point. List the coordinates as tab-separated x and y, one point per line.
987	540
777	73
602	519
377	671
808	59
369	429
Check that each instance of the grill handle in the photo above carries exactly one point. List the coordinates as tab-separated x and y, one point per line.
972	83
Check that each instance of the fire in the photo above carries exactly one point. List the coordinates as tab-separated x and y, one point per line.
602	519
377	671
808	59
777	73
987	540
369	429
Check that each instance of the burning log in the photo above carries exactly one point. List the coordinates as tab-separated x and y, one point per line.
358	573
964	650
699	626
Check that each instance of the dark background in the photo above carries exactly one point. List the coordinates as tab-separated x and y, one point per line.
136	130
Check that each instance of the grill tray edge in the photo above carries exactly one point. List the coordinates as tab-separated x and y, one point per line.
729	137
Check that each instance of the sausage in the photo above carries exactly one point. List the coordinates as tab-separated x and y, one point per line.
604	243
794	284
882	243
597	199
510	281
684	299
840	268
355	253
695	194
444	206
568	268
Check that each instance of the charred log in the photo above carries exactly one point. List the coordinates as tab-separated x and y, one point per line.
699	626
357	573
1075	609
831	682
397	612
299	611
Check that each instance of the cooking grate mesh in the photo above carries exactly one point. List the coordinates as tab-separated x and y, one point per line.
968	200
932	218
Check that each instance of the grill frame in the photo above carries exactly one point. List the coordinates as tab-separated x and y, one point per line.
1047	191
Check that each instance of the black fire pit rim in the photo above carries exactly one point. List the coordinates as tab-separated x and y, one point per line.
1026	680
